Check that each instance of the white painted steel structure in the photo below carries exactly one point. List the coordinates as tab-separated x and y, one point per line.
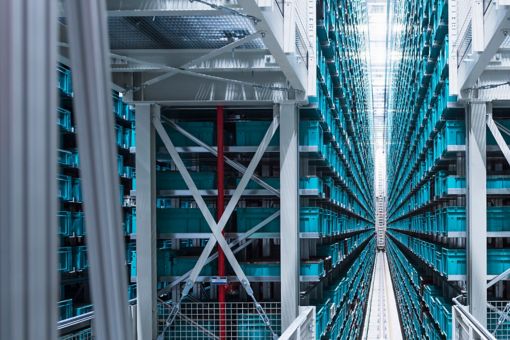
479	73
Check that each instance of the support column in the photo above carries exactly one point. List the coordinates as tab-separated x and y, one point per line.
90	63
289	211
146	221
28	170
477	210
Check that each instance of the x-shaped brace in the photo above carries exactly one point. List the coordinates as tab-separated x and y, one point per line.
217	228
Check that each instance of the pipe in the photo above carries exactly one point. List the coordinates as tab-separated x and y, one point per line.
220	205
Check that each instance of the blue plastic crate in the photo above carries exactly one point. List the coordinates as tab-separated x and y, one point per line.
81	258
498	260
312	268
498	218
129	222
64	223
78	226
64	80
250	133
131	291
248	218
77	195
201	130
261	269
84	309
120	165
453	261
64	187
64	119
310	133
65	259
66	158
182	220
119	135
65	309
311	220
129	172
170	180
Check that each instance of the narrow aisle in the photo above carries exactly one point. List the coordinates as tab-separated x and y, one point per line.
382	316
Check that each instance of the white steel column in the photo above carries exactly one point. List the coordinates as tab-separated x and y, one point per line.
477	210
90	63
289	211
146	270
28	170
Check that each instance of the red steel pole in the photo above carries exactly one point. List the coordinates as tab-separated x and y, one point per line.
220	205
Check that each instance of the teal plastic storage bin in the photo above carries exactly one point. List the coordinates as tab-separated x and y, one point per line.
250	133
131	291
498	218
248	218
84	309
182	220
170	180
201	130
64	223
452	219
65	309
454	261
498	260
182	264
329	250
311	220
64	187
64	119
65	259
64	82
261	269
310	133
77	196
78	227
312	268
81	258
65	158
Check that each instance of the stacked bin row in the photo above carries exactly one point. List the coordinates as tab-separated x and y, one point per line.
72	253
426	183
427	172
336	193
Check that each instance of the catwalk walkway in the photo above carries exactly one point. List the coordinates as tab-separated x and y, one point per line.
382	320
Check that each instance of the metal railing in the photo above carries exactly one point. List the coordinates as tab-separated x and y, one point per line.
465	326
303	327
81	327
209	320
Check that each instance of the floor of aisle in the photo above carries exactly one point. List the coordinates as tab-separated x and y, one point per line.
382	320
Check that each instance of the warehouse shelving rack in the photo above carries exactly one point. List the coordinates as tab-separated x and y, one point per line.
438	131
73	264
284	79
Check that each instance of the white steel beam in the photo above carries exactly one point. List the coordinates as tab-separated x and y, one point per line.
28	170
146	249
289	209
496	25
271	22
90	62
477	209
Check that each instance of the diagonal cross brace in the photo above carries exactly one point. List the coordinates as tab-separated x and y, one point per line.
202	58
231	245
237	166
498	137
216	228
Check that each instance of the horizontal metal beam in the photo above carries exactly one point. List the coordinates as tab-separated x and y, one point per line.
495	30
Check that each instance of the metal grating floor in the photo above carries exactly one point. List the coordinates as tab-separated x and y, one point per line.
187	32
